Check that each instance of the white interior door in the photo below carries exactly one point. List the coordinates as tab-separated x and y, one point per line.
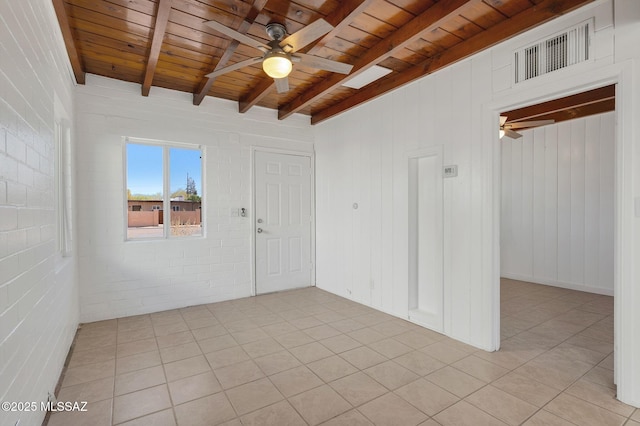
283	221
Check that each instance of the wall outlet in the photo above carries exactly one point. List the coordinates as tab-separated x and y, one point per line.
349	291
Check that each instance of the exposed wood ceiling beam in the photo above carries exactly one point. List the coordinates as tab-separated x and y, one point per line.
206	83
579	100
429	20
256	94
162	17
340	18
527	19
67	35
597	107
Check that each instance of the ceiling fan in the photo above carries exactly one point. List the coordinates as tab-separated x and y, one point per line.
507	129
280	53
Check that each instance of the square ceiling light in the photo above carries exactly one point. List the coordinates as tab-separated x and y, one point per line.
367	77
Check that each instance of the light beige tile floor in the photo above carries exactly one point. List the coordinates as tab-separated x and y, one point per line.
307	357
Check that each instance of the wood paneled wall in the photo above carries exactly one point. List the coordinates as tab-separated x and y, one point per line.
558	204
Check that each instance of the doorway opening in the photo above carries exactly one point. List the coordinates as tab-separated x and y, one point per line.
557	238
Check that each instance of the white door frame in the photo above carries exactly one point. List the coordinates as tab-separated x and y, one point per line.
252	207
622	76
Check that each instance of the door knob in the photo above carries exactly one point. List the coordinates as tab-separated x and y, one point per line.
259	220
259	230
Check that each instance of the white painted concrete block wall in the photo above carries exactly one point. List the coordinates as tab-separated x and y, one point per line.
557	215
38	288
121	278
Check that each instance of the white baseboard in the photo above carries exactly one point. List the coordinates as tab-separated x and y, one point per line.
561	284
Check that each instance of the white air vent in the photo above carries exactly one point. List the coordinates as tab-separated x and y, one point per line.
562	50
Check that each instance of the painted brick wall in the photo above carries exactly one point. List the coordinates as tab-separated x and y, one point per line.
38	293
121	278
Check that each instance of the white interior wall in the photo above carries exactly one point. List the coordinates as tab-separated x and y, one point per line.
362	157
121	278
38	288
627	241
455	108
364	150
421	114
557	215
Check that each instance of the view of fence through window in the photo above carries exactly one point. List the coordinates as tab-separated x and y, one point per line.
147	197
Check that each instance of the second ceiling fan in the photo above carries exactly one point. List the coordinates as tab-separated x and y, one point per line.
281	53
508	128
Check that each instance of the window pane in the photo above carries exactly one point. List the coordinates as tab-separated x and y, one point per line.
144	191
186	190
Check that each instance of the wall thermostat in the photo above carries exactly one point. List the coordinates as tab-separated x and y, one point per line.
450	171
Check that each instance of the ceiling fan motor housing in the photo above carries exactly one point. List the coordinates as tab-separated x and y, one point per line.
276	31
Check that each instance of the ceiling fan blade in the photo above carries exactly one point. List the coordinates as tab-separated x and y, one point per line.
512	134
234	67
237	35
322	63
527	124
503	119
311	32
282	84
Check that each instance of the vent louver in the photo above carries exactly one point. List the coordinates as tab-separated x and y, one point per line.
568	48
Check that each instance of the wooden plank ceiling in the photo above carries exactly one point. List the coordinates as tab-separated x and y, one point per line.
165	43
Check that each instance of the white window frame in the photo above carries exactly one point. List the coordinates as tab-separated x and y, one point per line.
166	190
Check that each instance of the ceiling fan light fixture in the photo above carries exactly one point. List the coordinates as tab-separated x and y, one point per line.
277	64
